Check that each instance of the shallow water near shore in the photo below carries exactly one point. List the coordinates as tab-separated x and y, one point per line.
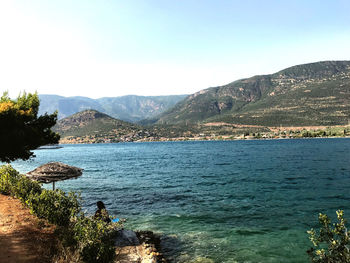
215	201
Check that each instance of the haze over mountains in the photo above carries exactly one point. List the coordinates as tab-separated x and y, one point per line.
128	108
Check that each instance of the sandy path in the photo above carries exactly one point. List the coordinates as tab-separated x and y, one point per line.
23	237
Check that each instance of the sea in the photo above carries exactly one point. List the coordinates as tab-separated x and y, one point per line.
214	201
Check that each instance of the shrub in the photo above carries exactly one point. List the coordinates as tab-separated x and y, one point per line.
83	237
95	239
8	178
55	206
26	187
13	183
332	242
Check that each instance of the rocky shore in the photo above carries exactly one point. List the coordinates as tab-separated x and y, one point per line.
139	247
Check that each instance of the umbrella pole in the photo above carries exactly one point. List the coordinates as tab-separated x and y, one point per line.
53	186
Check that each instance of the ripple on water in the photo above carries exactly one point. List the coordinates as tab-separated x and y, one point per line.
235	201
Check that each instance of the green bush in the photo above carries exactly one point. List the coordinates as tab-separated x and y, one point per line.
332	242
55	206
26	187
95	239
13	183
8	178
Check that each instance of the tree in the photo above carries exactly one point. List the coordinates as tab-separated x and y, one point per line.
21	130
332	242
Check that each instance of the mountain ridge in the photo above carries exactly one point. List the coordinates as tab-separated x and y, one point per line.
299	95
131	108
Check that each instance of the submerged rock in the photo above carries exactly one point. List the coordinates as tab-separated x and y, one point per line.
139	247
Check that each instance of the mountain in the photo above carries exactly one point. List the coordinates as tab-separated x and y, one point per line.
309	94
91	126
128	108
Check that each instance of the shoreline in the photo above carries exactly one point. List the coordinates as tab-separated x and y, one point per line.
212	132
26	238
200	140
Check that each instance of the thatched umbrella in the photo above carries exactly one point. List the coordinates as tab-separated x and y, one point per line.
53	172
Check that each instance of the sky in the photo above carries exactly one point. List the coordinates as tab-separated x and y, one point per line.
106	48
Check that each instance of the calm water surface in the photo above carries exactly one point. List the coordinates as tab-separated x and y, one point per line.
234	201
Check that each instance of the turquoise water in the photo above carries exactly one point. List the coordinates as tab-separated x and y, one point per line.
222	201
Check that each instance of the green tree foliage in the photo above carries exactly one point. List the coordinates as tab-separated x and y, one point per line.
332	242
21	129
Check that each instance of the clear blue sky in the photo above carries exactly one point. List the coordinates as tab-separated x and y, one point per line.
113	48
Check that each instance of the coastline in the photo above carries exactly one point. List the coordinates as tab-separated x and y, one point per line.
216	132
308	159
26	238
203	139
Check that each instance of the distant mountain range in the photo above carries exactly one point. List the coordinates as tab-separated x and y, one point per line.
315	94
128	108
308	94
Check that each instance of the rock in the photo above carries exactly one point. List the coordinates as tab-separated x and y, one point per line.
126	238
146	252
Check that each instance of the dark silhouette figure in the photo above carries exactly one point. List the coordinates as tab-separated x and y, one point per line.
101	213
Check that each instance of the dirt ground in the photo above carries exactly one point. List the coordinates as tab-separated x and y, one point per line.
26	239
23	237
